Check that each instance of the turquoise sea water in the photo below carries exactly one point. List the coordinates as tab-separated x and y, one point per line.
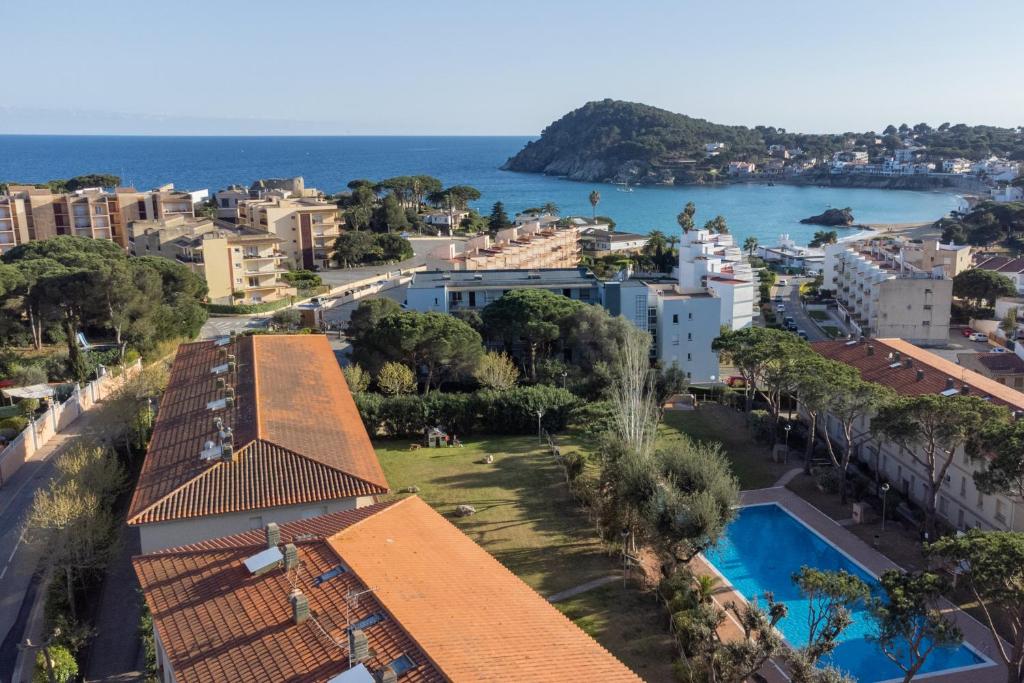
329	163
759	553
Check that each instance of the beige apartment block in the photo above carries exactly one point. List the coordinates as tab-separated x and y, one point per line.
306	226
240	265
880	294
930	254
29	213
526	246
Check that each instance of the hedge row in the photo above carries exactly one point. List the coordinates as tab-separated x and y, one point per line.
242	309
485	411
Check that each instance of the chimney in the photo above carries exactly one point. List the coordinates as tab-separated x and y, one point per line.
871	349
908	362
300	606
386	675
227	452
965	389
950	384
896	356
291	557
273	532
358	646
920	375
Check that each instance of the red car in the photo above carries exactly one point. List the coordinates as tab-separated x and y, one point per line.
736	382
968	332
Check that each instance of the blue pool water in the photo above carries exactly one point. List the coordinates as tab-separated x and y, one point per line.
762	549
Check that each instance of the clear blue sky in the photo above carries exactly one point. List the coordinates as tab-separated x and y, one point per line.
482	67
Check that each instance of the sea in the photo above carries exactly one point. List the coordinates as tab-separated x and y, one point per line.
328	163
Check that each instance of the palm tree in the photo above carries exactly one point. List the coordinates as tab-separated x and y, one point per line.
673	240
685	217
705	588
656	243
750	244
595	198
550	207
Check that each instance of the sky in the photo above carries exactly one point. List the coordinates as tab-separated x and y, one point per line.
480	67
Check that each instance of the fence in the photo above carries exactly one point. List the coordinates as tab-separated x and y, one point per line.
55	420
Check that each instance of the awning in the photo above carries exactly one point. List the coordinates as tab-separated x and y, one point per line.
31	391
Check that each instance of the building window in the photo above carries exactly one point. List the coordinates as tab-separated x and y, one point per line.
689	336
927	323
981	500
963	487
689	357
675	318
1000	510
689	316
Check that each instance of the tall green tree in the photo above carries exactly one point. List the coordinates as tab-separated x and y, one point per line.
749	245
831	598
823	237
911	623
752	350
532	317
717	225
852	404
815	377
991	570
498	219
595	199
982	286
930	430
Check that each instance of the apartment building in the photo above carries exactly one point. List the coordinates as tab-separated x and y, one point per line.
307	226
909	370
531	245
880	293
450	291
931	254
682	323
229	199
789	254
30	213
390	592
714	262
240	265
1012	268
597	242
247	435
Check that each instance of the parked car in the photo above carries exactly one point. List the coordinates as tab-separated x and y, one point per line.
978	337
782	283
967	332
735	381
780	308
788	320
778	298
801	334
1000	349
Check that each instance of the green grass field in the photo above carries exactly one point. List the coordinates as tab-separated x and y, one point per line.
751	462
527	520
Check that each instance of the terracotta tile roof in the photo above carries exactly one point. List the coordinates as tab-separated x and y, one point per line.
1003	363
297	434
447	604
936	370
474	618
1002	264
218	623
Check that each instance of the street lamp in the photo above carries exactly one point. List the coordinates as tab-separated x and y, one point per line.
540	436
625	554
786	429
885	490
565	373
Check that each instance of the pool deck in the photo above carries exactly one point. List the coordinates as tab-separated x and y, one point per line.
975	633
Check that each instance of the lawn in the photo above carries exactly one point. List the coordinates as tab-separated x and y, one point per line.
818	315
524	515
527	520
611	615
751	462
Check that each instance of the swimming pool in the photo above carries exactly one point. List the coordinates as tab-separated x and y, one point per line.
762	549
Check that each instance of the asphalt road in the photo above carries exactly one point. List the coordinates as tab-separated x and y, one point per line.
790	294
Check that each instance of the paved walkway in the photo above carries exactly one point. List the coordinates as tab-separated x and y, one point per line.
788	477
19	560
582	588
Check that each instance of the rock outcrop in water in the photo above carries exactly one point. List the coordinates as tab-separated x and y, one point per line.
833	218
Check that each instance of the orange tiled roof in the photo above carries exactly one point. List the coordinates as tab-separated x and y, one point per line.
936	370
474	618
298	437
448	605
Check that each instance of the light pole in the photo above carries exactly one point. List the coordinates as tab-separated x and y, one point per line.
786	429
625	554
885	490
540	436
565	374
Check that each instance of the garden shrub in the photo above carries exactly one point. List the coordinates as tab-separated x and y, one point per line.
15	423
515	411
65	668
369	406
456	413
828	480
761	425
403	415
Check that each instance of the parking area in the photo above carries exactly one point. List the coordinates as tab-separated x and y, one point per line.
959	344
